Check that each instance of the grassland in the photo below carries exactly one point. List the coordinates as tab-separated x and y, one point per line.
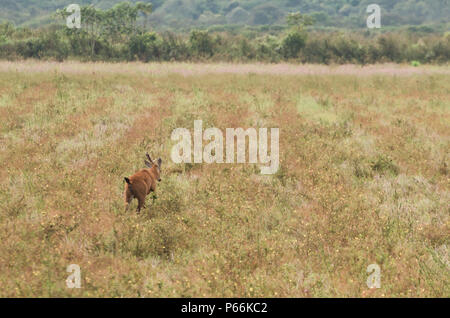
364	178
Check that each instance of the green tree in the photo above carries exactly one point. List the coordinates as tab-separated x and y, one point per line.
298	21
296	37
201	43
146	9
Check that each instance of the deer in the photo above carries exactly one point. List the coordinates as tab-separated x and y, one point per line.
140	184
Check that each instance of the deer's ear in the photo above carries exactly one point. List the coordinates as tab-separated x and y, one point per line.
159	163
148	164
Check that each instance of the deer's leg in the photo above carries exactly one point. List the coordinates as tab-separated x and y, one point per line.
141	203
128	197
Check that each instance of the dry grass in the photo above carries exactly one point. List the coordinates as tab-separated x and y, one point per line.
189	69
364	179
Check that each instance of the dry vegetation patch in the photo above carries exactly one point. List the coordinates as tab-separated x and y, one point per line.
363	178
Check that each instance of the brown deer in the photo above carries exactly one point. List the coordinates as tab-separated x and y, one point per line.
140	184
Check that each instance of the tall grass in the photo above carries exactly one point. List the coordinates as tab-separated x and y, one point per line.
363	179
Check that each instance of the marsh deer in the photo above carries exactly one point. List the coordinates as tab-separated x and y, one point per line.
140	184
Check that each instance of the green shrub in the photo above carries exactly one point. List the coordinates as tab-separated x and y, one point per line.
201	43
292	44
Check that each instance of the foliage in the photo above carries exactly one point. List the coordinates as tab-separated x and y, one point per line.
201	43
182	14
296	38
122	33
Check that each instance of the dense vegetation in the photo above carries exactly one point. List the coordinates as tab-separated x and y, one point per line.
117	34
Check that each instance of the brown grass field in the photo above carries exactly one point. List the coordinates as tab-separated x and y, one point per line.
363	179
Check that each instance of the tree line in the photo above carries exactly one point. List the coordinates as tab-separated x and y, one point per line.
117	34
182	14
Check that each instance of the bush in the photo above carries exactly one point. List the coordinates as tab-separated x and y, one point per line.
292	44
201	43
144	47
267	44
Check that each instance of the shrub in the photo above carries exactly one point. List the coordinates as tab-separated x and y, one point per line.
201	43
144	47
292	44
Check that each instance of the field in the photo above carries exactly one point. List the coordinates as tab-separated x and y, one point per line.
363	179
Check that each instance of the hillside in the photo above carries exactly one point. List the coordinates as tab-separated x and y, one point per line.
178	14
